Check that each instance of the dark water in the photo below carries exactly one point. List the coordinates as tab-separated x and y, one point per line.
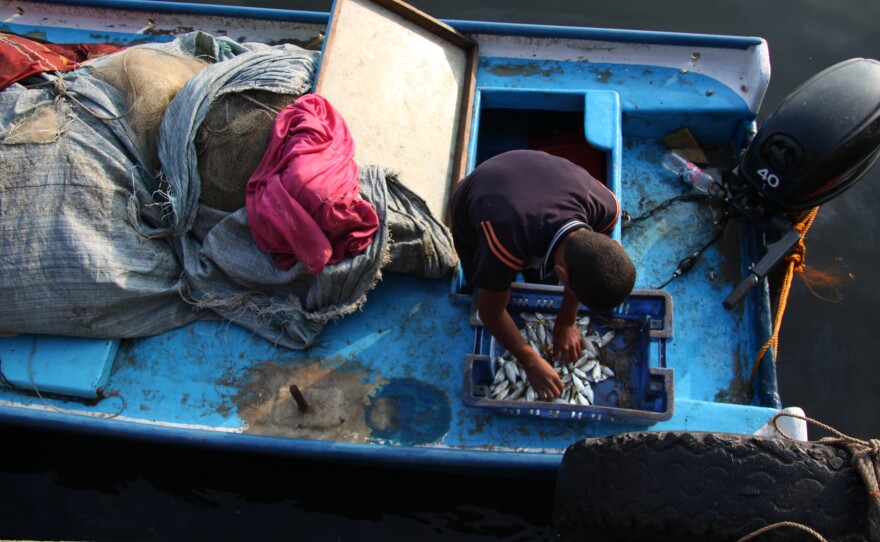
62	487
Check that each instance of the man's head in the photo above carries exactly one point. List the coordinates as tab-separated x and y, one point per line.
596	269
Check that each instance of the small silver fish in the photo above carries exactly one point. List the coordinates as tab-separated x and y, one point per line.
596	373
511	372
581	387
511	381
497	388
567	394
541	332
581	362
587	393
531	335
516	394
590	347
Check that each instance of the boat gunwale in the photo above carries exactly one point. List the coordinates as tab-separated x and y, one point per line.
525	463
651	37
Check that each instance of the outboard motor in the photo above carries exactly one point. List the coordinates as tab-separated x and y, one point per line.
822	138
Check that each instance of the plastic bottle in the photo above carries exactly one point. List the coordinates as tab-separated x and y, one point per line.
689	172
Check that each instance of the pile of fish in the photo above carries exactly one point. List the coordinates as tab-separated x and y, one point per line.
510	382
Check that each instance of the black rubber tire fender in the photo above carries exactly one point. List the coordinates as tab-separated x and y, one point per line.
706	486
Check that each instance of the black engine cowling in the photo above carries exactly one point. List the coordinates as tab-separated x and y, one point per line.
819	141
822	138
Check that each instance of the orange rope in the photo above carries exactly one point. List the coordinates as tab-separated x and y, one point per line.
795	261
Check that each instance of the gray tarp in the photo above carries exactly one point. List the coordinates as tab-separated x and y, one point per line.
74	211
71	263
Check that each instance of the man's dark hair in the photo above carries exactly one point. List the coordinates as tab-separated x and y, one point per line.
600	273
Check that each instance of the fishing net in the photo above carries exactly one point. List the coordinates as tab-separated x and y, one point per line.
284	70
41	125
231	141
149	78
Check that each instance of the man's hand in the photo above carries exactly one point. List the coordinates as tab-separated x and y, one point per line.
567	342
493	313
543	378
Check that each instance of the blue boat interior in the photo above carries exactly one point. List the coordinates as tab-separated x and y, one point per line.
395	372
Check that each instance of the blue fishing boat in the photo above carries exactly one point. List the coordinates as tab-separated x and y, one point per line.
137	307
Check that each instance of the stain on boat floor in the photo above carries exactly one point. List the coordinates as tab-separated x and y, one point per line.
345	403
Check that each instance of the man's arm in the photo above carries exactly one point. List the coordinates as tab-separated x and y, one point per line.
494	315
567	341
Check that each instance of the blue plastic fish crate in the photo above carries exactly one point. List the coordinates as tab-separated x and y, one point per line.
643	324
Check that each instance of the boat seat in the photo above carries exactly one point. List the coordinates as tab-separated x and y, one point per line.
67	366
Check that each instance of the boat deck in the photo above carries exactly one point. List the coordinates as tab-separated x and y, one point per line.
385	383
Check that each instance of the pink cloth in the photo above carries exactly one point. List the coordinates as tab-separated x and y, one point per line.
303	200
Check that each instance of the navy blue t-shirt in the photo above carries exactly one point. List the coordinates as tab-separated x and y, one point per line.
512	209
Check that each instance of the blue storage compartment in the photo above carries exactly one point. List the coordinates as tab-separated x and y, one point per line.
641	391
